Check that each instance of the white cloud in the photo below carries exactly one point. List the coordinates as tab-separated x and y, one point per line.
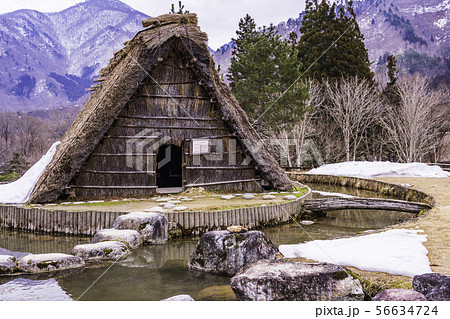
218	18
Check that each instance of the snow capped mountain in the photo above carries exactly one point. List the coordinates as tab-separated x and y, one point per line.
415	29
48	59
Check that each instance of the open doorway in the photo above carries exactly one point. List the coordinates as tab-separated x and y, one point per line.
169	162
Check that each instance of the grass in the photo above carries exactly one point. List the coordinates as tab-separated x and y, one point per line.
9	177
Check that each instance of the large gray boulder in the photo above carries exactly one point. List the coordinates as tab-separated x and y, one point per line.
7	264
153	227
131	237
105	250
179	298
435	287
49	262
399	295
285	280
223	252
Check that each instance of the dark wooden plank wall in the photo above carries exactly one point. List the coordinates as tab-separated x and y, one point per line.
188	114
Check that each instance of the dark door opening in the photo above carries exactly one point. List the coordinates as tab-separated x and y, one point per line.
168	171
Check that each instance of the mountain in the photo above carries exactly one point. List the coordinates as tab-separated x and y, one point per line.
414	30
48	59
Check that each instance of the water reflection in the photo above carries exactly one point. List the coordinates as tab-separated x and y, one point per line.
22	289
158	272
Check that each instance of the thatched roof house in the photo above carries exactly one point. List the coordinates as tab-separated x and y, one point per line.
160	117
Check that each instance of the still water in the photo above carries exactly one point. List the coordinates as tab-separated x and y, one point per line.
158	272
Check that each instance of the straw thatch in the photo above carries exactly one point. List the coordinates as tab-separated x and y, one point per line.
121	79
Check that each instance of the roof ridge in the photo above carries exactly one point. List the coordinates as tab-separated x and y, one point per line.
186	18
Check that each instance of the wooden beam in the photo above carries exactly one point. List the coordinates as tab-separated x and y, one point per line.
113	187
167	118
99	79
170	128
222	168
123	154
327	204
175	96
117	172
225	182
130	137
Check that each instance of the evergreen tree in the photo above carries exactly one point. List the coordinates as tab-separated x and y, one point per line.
180	9
246	33
263	73
332	45
17	164
391	95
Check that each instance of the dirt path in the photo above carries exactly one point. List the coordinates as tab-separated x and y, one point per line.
436	223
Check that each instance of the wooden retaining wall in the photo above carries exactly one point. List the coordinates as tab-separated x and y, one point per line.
86	223
398	191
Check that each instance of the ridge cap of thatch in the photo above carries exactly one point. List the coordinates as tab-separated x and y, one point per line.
186	18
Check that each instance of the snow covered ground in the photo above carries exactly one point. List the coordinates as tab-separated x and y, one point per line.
19	191
374	169
396	251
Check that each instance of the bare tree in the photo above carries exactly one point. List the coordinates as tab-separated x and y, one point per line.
353	104
290	141
413	129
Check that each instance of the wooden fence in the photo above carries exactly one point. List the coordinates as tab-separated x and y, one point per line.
86	223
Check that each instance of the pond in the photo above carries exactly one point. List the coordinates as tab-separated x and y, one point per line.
158	272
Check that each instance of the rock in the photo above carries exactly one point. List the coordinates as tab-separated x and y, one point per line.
286	280
131	237
105	250
268	197
435	287
153	227
399	295
222	252
180	208
7	264
199	196
272	193
238	195
248	196
169	206
49	262
187	200
174	202
237	229
155	209
289	197
226	197
179	298
307	222
166	199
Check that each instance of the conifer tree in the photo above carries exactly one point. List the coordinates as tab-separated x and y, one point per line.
262	69
332	45
391	94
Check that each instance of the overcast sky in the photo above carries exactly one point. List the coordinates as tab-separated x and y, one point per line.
219	18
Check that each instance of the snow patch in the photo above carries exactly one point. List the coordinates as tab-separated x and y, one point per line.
441	23
19	191
396	251
374	169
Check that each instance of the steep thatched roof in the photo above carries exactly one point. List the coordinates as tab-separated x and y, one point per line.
127	69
